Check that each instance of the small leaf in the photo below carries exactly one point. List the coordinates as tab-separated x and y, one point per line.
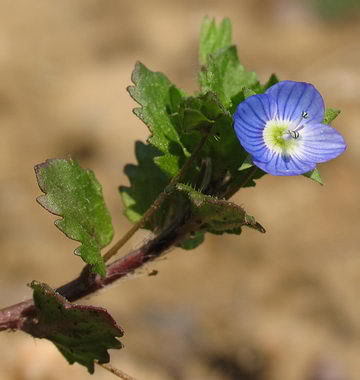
147	181
213	37
74	194
330	115
271	81
248	163
222	150
82	333
314	175
248	92
159	99
216	215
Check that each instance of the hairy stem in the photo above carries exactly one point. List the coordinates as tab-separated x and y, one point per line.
117	372
158	201
87	283
14	317
239	182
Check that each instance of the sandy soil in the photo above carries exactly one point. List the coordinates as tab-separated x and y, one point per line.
279	306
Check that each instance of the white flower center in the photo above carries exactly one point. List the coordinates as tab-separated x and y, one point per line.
282	136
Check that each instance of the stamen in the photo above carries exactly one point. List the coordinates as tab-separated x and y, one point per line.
294	134
304	115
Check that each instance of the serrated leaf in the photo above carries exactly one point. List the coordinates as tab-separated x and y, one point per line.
74	194
82	333
216	215
222	151
157	97
225	76
213	37
330	115
315	176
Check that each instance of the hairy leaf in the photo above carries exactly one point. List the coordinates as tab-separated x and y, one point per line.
158	99
225	76
82	333
248	92
74	194
216	215
213	37
330	115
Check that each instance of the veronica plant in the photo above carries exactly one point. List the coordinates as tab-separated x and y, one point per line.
187	170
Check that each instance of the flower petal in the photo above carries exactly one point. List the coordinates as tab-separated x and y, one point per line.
250	119
285	165
294	98
321	143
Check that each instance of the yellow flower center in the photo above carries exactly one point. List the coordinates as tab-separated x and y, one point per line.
280	136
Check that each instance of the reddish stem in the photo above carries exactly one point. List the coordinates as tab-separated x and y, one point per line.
15	316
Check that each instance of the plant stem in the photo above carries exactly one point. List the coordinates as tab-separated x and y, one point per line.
235	186
158	201
115	371
15	317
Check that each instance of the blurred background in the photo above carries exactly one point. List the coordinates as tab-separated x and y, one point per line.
279	306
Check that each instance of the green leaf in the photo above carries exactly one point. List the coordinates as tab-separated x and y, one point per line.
248	163
314	175
245	175
222	147
216	215
248	92
195	119
159	100
199	113
271	81
223	154
147	181
82	333
225	76
330	115
213	37
193	242
74	194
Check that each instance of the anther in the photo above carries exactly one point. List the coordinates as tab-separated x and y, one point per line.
304	114
294	134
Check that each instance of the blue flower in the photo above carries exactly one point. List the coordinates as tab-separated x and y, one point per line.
283	129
